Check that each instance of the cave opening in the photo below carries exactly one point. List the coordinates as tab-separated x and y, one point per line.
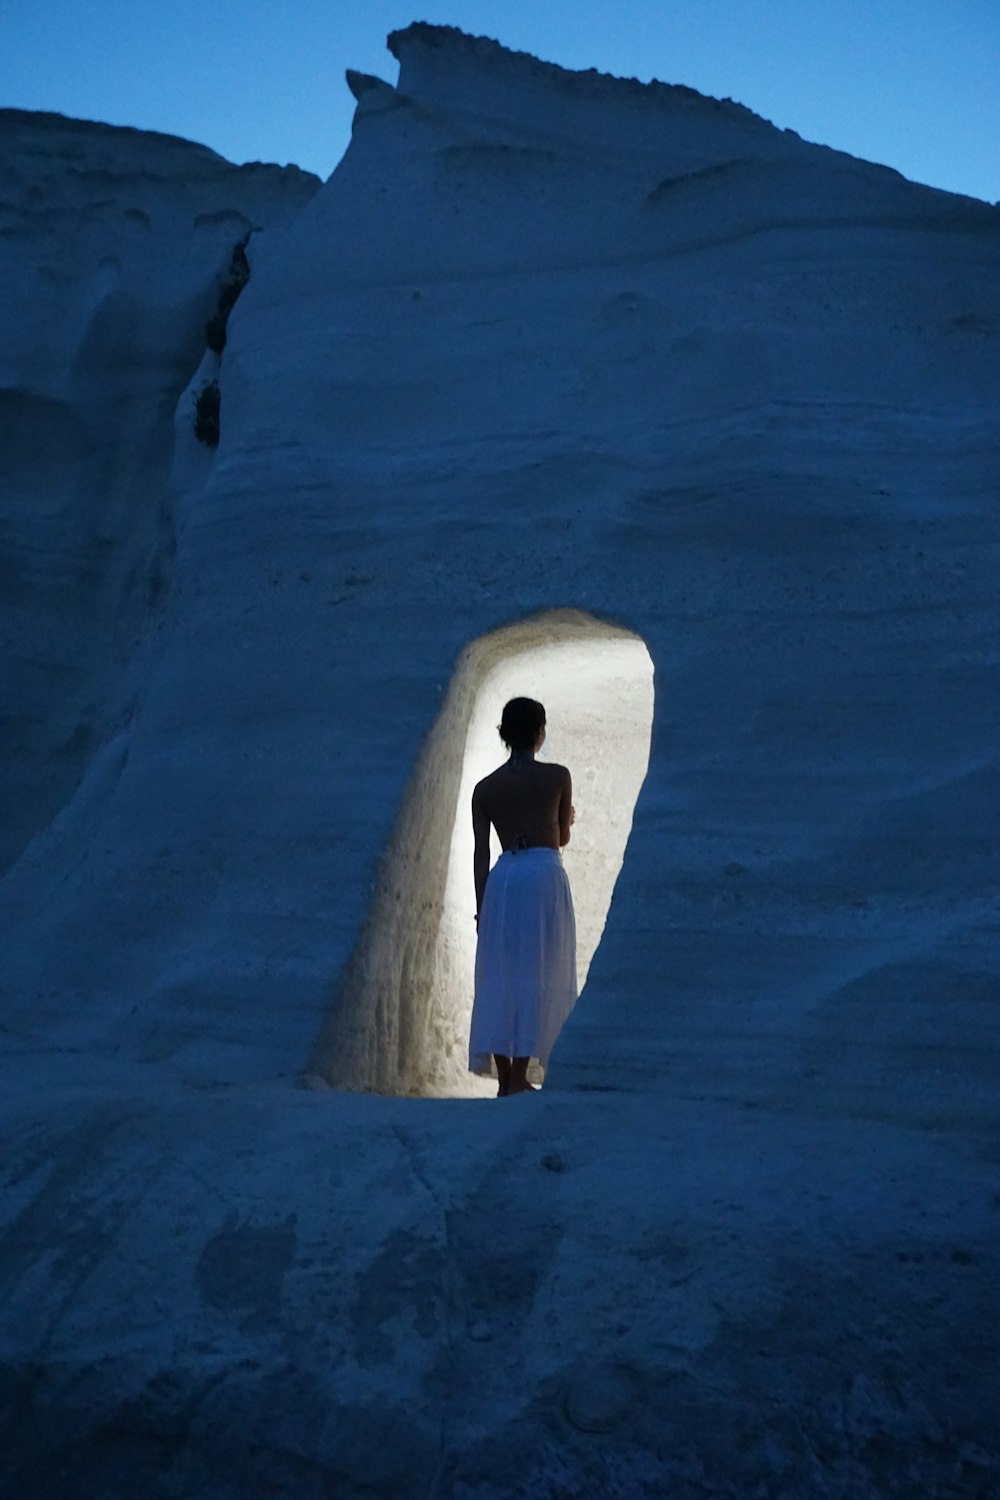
400	1019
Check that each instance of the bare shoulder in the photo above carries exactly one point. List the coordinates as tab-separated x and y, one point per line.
558	773
482	788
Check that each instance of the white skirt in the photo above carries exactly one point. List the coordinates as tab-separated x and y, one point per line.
525	959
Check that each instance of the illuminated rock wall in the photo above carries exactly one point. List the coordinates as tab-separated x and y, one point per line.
400	1020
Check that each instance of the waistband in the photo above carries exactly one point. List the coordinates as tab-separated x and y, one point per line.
536	851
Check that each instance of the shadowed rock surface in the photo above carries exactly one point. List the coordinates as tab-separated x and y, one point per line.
544	342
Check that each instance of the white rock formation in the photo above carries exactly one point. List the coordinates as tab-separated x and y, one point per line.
112	247
553	359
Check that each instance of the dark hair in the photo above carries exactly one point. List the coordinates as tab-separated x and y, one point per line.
523	721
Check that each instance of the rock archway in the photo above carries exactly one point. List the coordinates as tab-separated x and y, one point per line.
399	1021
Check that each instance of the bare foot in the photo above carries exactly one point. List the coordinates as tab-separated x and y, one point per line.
518	1082
503	1075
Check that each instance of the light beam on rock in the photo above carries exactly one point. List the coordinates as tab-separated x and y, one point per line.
400	1021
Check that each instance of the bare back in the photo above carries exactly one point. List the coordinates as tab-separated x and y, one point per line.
529	804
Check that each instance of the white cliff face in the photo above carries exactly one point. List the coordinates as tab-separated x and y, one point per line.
545	342
113	246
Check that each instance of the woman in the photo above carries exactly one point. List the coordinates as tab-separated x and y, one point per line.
526	954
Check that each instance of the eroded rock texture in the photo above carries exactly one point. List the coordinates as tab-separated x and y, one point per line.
544	341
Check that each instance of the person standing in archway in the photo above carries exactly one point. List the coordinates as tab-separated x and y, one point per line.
526	952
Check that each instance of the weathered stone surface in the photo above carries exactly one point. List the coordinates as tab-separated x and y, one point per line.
545	348
600	1396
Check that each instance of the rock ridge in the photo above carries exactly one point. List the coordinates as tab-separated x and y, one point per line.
457	46
123	141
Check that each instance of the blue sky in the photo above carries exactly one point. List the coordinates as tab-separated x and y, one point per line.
911	83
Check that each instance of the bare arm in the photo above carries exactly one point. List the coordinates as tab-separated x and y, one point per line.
566	811
481	854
